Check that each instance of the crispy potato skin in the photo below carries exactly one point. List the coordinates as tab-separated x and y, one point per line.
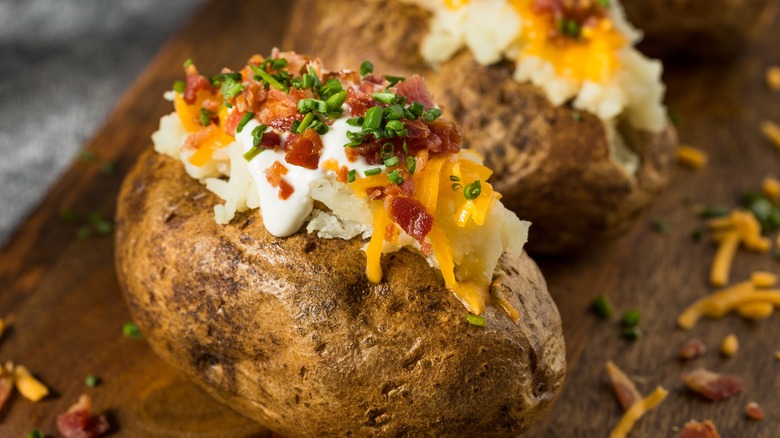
699	27
291	333
551	169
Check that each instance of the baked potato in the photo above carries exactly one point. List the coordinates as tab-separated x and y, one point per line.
703	28
556	166
295	331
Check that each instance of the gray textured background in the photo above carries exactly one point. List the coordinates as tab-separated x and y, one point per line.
63	66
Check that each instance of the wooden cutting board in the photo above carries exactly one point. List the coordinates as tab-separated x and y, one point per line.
61	296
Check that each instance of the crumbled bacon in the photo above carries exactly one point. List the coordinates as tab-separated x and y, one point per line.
233	120
279	105
6	385
411	216
624	388
691	350
78	423
252	98
270	140
754	411
195	83
359	102
195	139
303	149
285	189
713	386
414	90
274	174
695	429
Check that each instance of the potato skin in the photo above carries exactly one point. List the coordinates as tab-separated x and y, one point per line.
290	332
708	28
551	168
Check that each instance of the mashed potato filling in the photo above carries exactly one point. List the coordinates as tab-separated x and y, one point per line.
370	162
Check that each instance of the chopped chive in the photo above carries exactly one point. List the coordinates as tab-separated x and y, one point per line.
392	161
69	216
572	28
308	105
454	178
265	76
92	381
387	150
351	175
373	118
394	79
131	330
305	123
577	116
83	232
366	68
188	62
385	97
179	86
336	101
319	127
604	3
329	88
108	168
225	77
455	187
660	225
36	434
205	116
374	171
355	121
104	227
632	333
395	177
244	120
431	115
308	80
476	320
231	89
87	157
257	134
252	153
712	211
278	64
411	164
631	318
417	109
472	190
393	112
395	125
602	306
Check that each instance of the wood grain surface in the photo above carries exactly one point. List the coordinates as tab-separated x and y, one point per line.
61	297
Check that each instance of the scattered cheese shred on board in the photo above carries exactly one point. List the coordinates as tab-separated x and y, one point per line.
739	227
690	156
773	78
636	412
29	386
729	346
771	131
771	188
624	387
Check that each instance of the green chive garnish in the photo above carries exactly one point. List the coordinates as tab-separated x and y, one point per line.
395	177
87	157
244	120
577	116
374	171
69	216
602	306
660	225
131	331
417	109
455	187
431	115
392	161
711	211
373	118
188	62
631	318
92	381
366	68
395	125
205	116
355	121
257	134
83	232
411	164
108	168
305	123
252	153
351	175
632	333
476	320
473	190
394	79
104	227
265	76
36	434
335	101
385	97
454	178
179	86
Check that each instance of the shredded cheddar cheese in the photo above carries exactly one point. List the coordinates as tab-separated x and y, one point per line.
756	310
740	227
729	346
691	157
30	387
771	131
773	78
763	279
636	412
771	188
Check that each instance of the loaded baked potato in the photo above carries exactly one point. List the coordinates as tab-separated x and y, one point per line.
297	332
566	162
706	28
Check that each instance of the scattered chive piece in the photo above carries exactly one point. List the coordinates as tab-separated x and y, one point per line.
355	121
472	190
205	116
417	109
69	216
411	164
476	320
104	227
188	62
675	117
244	120
604	3
431	115
373	118
454	178
374	171
305	123
632	333
92	381
131	331
257	134
395	125
711	211
387	151
697	234
179	86
278	64
392	161
367	67
108	168
252	153
631	318
394	79
602	306
385	97
36	434
577	116
87	157
335	101
395	177
455	187
660	225
351	175
264	75
83	233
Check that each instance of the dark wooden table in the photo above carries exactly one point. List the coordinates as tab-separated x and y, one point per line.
61	296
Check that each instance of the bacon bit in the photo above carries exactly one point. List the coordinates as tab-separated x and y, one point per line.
232	122
391	233
342	175
411	216
448	133
6	384
691	350
414	90
195	83
359	102
252	98
195	140
303	150
78	423
754	412
624	388
271	140
695	429
279	106
712	386
285	190
274	174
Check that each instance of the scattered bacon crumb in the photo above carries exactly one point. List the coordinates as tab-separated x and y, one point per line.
712	386
78	423
754	412
695	429
691	350
624	388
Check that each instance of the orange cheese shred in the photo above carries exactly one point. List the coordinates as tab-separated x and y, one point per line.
636	411
374	250
187	117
